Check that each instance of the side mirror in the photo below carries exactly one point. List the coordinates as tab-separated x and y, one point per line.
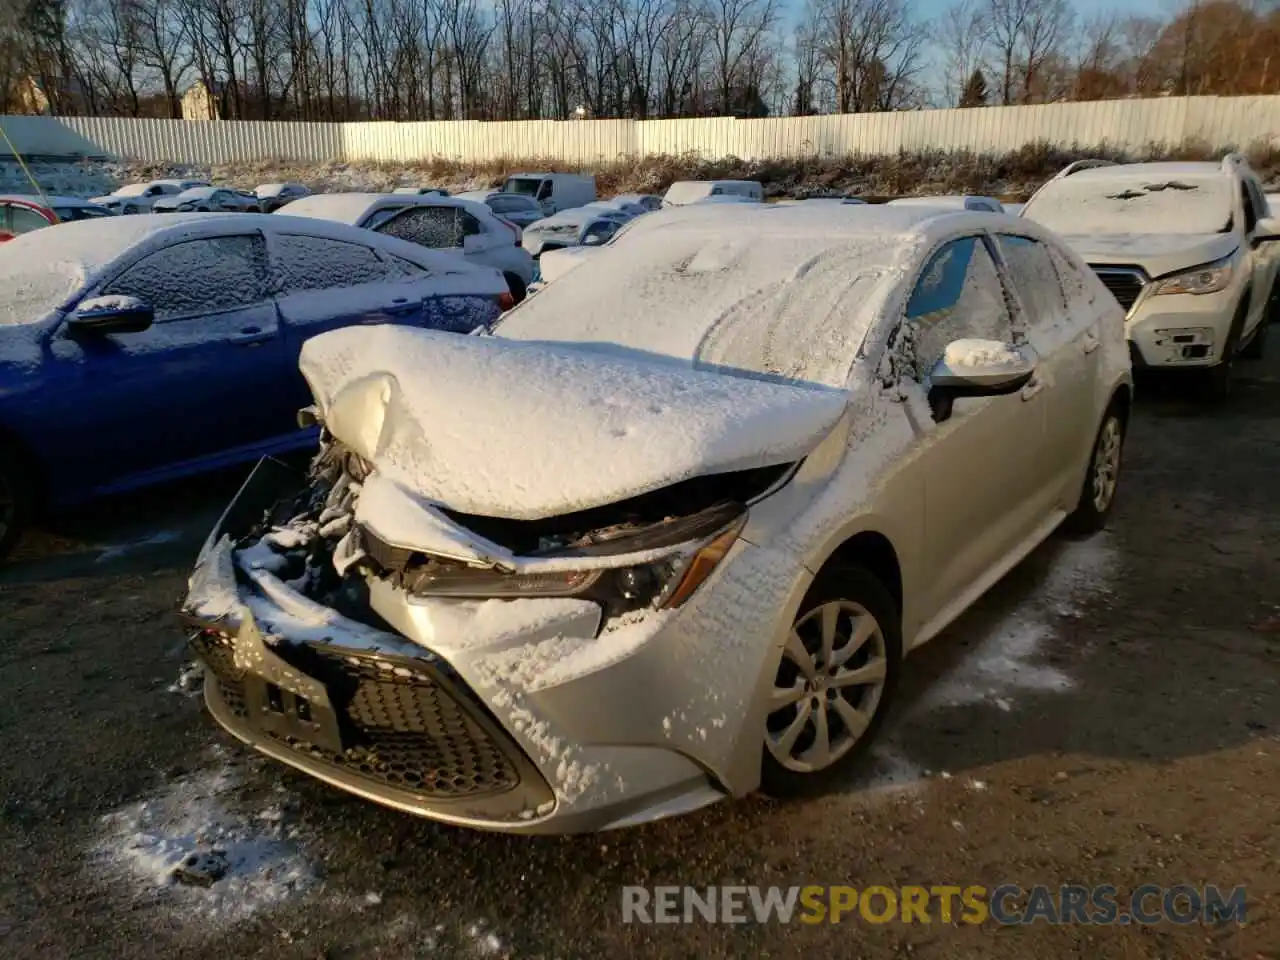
978	368
1267	230
99	316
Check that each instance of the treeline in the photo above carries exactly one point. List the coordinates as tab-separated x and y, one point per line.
330	60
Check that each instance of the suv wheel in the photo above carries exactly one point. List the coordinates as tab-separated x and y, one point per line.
834	682
1221	375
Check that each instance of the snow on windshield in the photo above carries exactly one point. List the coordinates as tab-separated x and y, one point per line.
789	304
1134	204
131	190
688	191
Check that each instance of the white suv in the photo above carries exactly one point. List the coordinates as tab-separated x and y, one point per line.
1188	249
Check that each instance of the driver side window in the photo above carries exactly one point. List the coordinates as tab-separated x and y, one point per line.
1250	214
198	277
959	295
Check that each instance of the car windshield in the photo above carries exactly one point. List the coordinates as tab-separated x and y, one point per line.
524	186
35	289
1134	204
132	190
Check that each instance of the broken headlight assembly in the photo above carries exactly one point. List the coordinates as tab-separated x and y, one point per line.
674	558
1208	278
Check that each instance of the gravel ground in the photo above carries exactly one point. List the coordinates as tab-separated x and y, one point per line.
1109	713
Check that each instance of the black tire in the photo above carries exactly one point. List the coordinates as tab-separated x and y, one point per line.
1256	347
1221	375
517	287
1092	511
857	586
17	498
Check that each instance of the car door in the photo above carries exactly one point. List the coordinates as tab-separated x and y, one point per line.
1067	343
1265	256
201	381
981	464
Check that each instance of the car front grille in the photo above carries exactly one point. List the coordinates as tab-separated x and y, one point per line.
411	728
1125	284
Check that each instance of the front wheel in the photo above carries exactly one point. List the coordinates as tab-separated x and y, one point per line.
1103	477
16	499
834	682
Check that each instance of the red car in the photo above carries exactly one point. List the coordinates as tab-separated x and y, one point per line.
19	215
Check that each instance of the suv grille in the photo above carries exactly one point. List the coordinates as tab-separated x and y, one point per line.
411	728
1125	284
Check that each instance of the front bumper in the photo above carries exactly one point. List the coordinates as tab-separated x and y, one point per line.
441	714
1182	330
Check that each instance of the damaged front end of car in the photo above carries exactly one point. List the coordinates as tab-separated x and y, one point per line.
345	623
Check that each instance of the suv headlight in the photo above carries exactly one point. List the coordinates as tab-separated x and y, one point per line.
1209	278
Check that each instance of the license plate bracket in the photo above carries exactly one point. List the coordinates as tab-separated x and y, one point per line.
283	701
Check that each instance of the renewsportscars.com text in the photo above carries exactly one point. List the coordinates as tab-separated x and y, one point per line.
1005	904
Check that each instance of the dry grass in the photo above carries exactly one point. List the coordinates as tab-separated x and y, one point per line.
1011	177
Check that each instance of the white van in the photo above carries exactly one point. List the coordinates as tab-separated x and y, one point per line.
695	191
554	191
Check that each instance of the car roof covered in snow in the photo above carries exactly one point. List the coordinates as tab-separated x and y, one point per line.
712	284
82	250
274	189
353	208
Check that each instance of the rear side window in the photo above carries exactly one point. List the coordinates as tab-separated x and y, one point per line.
198	276
1034	276
436	227
318	263
23	220
958	296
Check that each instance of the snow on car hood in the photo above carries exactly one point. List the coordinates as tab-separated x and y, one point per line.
1157	253
527	430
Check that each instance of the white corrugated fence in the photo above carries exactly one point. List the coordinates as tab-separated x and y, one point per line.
1125	124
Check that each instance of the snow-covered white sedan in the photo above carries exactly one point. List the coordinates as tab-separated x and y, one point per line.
578	226
139	197
448	224
667	535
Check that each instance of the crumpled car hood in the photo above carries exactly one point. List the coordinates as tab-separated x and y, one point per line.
1158	254
526	430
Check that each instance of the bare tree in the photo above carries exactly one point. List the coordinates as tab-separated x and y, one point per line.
962	34
737	30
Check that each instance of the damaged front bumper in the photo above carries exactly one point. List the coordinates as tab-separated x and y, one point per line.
526	715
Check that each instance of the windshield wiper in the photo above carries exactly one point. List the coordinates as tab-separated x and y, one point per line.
1127	195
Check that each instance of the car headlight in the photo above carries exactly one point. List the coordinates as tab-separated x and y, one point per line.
1209	278
665	582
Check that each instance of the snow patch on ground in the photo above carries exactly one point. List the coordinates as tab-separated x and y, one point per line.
141	845
1006	661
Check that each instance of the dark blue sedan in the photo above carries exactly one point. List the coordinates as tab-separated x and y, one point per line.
136	350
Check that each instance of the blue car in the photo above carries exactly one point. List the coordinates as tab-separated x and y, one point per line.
139	350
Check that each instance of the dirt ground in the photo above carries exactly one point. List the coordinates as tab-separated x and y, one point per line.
1110	713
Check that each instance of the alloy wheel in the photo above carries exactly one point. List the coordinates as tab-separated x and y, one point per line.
1106	463
828	687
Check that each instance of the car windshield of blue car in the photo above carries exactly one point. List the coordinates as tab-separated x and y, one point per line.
34	290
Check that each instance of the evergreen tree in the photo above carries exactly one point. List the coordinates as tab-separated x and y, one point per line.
975	90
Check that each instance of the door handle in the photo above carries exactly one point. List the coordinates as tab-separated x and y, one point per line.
1034	386
250	337
399	307
1090	342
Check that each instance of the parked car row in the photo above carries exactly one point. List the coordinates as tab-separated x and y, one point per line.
660	535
